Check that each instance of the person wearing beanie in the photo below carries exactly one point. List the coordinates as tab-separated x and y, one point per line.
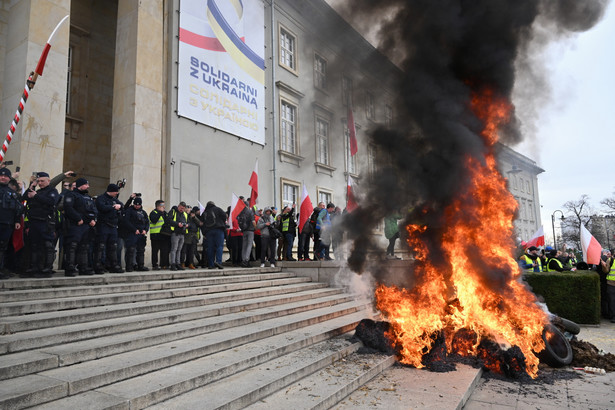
81	214
10	216
109	210
40	225
136	224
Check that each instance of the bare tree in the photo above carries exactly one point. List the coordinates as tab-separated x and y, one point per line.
577	212
609	203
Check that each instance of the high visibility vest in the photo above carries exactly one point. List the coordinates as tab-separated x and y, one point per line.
529	260
175	219
157	227
285	224
611	275
556	260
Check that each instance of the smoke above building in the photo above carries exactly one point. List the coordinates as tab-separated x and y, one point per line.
447	50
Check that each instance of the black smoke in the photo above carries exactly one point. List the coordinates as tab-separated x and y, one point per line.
446	50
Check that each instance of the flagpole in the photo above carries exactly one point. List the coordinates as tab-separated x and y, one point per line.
30	83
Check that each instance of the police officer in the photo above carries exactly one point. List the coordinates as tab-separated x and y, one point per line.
137	224
10	216
41	225
81	213
109	210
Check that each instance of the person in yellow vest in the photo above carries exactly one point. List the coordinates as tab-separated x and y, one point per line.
606	263
530	260
178	221
553	262
160	239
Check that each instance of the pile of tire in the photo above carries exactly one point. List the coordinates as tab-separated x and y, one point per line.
557	352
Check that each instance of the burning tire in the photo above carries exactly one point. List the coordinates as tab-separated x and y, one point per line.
568	325
557	352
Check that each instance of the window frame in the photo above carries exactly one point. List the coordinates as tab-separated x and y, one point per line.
347	91
320	75
348	158
324	191
370	106
326	138
283	137
284	51
297	189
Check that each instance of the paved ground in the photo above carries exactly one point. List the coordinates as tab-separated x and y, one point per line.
584	391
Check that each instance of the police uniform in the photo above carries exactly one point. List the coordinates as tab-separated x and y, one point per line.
106	231
41	228
10	214
136	220
79	207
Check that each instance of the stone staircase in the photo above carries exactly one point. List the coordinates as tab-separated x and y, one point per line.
222	339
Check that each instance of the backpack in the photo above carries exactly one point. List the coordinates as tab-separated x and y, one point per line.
210	219
244	220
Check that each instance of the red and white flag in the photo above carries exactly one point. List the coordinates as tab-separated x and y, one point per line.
538	239
237	205
306	208
351	202
254	185
591	247
352	133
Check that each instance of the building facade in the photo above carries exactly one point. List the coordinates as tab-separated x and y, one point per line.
129	92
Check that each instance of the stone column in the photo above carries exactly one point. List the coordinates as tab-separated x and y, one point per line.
138	98
38	142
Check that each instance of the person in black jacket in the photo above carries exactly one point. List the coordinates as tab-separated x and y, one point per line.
289	231
10	216
41	225
81	214
109	210
136	223
214	225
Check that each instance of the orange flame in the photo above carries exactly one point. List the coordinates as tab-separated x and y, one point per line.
479	273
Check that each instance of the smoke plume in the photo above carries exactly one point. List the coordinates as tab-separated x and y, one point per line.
446	50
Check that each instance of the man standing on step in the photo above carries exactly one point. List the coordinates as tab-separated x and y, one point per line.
178	221
41	225
109	209
137	225
81	213
10	216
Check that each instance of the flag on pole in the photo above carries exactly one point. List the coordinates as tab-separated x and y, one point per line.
538	239
591	247
254	185
306	208
201	207
17	238
237	205
351	202
352	133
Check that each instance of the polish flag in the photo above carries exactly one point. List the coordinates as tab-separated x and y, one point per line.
591	247
254	185
201	207
17	238
352	132
237	205
306	209
351	202
538	239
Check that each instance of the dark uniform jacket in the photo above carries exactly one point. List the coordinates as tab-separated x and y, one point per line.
78	205
10	207
136	219
42	206
107	214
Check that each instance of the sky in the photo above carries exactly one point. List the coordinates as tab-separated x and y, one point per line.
575	131
572	133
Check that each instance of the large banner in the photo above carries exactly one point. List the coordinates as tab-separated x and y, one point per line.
221	72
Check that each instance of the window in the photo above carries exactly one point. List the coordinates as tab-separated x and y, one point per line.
322	141
515	182
371	159
370	107
68	78
288	49
325	196
320	72
288	118
346	90
521	184
388	115
351	162
290	192
527	185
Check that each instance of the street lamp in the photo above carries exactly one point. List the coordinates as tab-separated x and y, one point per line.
553	226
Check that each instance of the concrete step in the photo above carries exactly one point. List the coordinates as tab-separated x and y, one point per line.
45	305
87	376
325	388
134	286
68	351
163	384
109	278
15	324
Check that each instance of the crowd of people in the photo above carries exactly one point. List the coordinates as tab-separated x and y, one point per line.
91	235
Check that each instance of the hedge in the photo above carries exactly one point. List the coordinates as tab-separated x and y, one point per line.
572	295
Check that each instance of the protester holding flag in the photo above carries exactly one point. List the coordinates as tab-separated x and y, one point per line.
305	226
